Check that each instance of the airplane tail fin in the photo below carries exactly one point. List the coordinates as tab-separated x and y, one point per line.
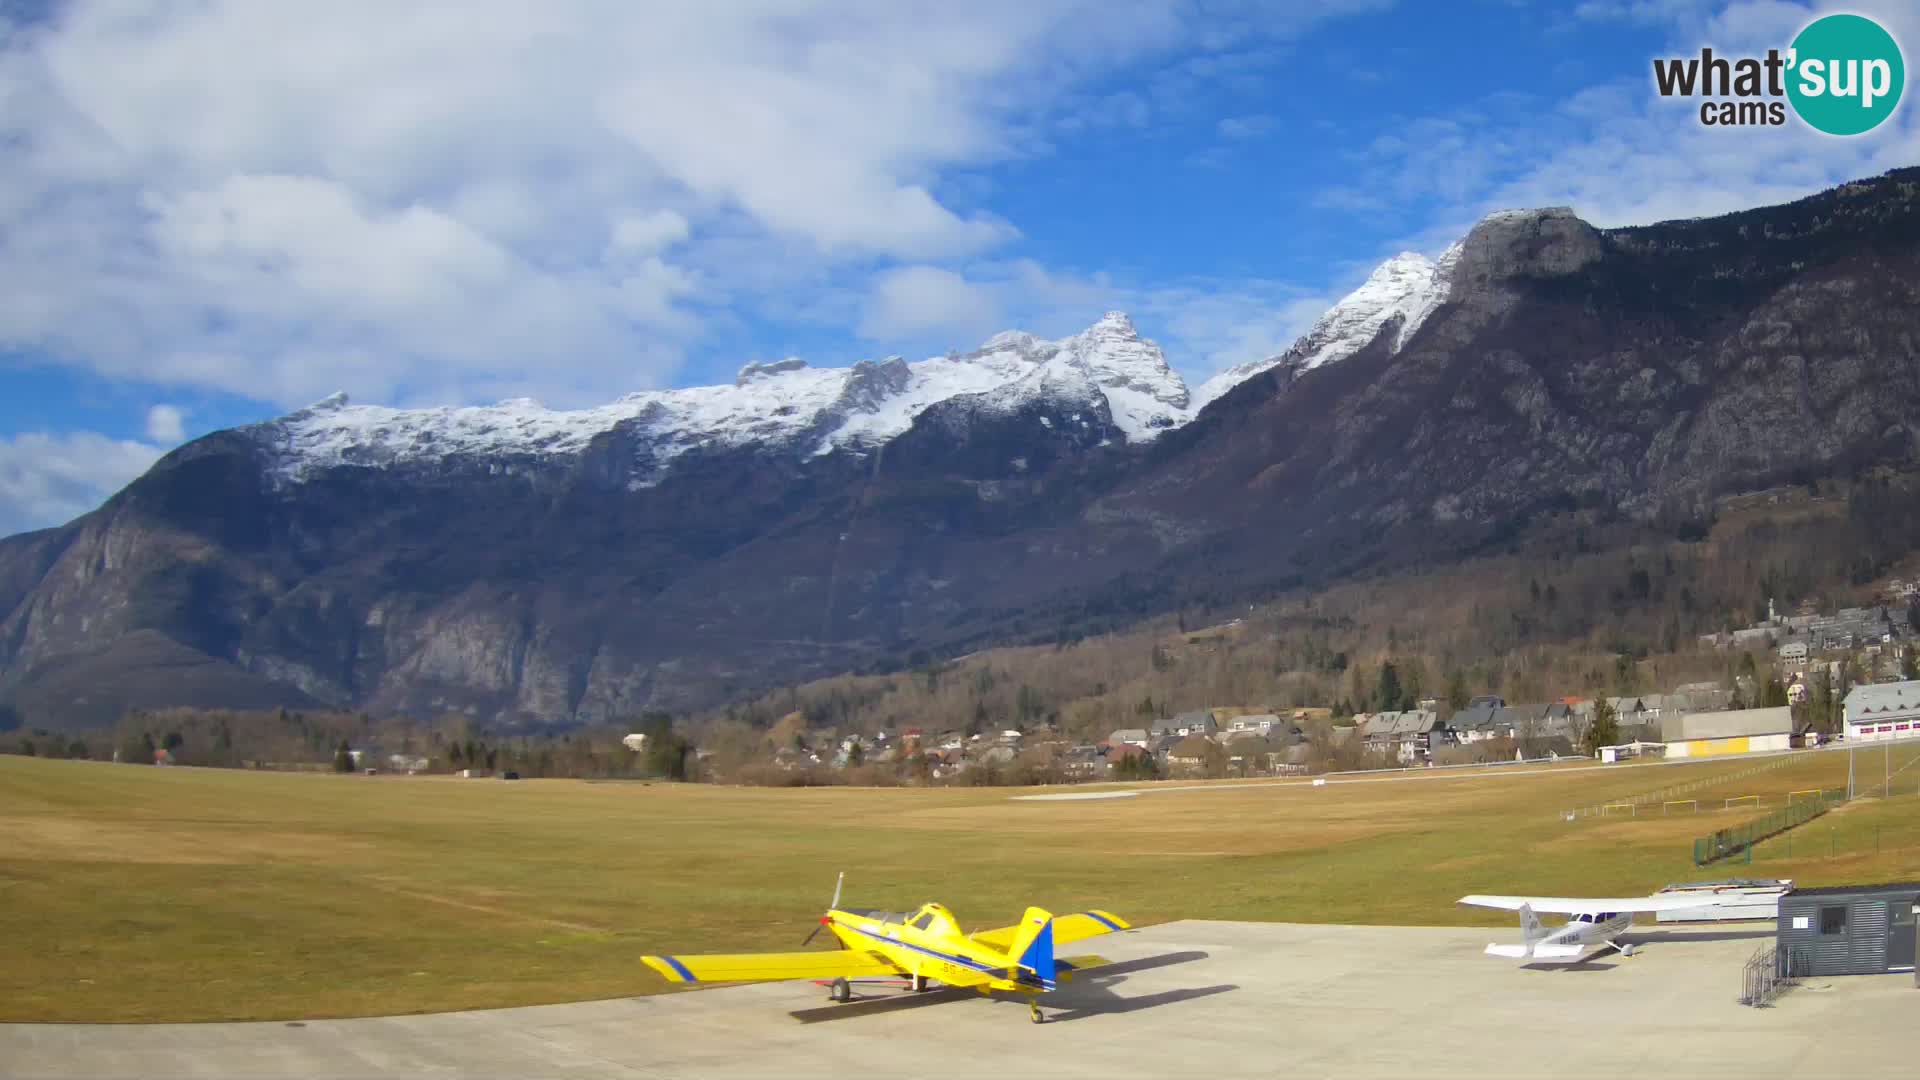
1530	928
1032	945
1531	933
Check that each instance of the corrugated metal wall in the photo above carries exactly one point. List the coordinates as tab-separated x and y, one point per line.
1865	947
1867	927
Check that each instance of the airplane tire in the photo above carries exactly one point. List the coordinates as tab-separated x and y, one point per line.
920	984
841	990
1626	950
1033	1013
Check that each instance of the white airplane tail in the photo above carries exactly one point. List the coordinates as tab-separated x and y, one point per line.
1530	934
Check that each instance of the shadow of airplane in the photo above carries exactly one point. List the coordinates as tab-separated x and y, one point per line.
1579	966
1661	939
1107	1003
1089	993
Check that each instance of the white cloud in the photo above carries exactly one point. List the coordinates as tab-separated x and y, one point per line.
47	480
1616	152
1204	325
1246	127
912	301
282	199
166	425
1645	12
649	233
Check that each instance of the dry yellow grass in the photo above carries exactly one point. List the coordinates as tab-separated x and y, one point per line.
179	894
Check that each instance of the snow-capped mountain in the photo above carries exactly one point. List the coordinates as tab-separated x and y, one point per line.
1407	287
1641	369
781	403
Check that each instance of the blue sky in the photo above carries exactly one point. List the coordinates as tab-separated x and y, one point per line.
220	212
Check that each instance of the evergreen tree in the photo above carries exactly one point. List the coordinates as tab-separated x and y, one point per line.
1775	694
1387	694
343	758
1603	730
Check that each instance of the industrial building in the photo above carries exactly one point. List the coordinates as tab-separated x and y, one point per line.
1734	731
1882	711
1848	929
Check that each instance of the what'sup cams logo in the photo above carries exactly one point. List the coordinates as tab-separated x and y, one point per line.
1843	75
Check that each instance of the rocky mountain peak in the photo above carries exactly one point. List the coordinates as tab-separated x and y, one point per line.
765	369
1508	244
871	383
1404	289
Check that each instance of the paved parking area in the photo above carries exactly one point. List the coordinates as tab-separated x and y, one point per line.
1191	998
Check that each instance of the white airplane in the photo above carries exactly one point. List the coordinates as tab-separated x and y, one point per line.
1589	922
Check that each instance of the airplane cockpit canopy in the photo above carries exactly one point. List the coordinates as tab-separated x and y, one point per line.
932	917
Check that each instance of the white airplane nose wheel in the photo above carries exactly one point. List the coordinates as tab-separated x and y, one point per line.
1033	1013
1626	950
841	990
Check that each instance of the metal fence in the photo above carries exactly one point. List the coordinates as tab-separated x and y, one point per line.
1659	796
1768	974
1724	843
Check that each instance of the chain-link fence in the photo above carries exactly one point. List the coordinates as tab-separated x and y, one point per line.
1724	843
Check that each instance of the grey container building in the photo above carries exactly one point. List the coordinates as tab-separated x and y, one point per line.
1848	929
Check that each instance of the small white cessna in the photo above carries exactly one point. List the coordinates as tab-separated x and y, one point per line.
1589	922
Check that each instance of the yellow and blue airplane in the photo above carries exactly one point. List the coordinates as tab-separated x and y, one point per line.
923	946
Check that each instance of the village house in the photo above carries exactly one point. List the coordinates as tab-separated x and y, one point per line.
1129	737
1882	711
1192	722
1411	735
1191	753
1475	723
1082	761
1122	752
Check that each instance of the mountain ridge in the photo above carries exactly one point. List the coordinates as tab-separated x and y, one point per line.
1628	372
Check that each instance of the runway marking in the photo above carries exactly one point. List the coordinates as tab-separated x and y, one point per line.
1075	796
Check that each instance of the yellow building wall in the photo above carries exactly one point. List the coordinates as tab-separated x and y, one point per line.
1712	747
1743	744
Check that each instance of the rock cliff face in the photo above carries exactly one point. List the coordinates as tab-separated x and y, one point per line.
678	548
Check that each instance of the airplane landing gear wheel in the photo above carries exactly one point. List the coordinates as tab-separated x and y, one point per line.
1033	1013
1626	950
841	990
920	984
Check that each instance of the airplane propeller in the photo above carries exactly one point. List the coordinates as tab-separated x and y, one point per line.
831	904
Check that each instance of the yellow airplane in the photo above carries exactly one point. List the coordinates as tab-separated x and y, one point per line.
923	946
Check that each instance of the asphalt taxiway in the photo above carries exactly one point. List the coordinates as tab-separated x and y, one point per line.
1188	998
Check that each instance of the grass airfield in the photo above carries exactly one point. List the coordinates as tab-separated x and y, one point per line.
145	894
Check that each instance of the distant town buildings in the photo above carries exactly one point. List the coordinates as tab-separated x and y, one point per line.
1882	711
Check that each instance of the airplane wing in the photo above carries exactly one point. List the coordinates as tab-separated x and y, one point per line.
1576	905
1066	929
770	967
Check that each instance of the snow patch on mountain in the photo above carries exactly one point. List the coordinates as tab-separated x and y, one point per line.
1408	287
1107	371
817	410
